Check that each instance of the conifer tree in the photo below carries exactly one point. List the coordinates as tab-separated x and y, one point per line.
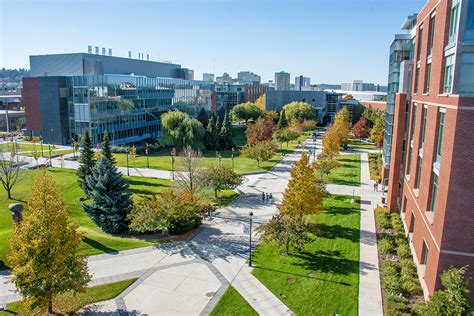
212	134
226	140
44	249
86	162
106	151
111	199
282	122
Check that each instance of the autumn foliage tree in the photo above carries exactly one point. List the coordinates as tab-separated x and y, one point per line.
44	249
342	125
261	151
331	142
325	164
299	111
261	130
246	111
376	133
361	128
221	177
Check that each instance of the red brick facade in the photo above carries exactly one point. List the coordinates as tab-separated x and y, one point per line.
375	105
447	229
31	101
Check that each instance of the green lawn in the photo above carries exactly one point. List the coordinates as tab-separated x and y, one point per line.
355	143
348	173
162	159
322	280
95	241
21	147
69	303
231	303
54	152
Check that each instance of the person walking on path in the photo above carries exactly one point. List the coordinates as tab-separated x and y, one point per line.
375	186
271	198
263	197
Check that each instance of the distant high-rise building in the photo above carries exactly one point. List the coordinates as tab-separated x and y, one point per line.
208	77
358	85
247	77
301	82
224	79
282	80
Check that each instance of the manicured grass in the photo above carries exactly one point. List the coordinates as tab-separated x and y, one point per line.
322	280
69	303
54	152
231	303
7	147
95	241
348	173
162	160
358	144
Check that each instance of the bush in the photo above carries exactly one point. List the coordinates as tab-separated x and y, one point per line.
391	282
385	245
403	251
382	217
408	278
397	224
396	306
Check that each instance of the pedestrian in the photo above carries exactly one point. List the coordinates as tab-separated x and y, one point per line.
263	197
271	198
266	197
375	184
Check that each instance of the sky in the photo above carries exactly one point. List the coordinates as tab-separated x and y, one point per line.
330	41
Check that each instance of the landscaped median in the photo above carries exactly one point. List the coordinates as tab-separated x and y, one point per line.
232	303
348	172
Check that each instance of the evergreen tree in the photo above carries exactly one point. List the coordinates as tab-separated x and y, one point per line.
86	162
212	134
111	199
106	151
282	122
44	250
226	140
203	117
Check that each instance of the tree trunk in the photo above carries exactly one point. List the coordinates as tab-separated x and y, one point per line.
50	307
215	193
258	163
287	248
9	194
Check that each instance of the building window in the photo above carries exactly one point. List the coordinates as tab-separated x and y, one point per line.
424	114
412	131
439	140
434	192
404	207
418	172
448	74
412	223
417	79
428	78
453	21
424	253
431	34
466	77
420	39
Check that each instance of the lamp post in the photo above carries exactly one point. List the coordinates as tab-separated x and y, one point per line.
50	161
147	160
173	154
128	157
220	158
232	155
250	238
41	139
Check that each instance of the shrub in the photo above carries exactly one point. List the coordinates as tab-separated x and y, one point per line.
391	282
396	306
408	278
403	251
385	245
397	224
382	217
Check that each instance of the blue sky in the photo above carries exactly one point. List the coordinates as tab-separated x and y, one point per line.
331	41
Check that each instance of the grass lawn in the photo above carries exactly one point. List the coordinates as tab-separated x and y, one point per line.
348	173
69	303
54	152
324	279
162	159
355	143
95	241
231	303
7	147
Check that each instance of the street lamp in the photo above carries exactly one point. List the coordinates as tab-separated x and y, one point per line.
128	155
220	158
41	139
147	160
173	154
232	155
250	239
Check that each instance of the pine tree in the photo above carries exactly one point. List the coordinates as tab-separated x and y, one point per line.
212	134
203	117
86	162
44	249
111	199
106	151
226	140
282	122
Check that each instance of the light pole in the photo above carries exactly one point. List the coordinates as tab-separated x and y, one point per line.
250	239
147	160
173	154
128	154
220	158
41	138
232	155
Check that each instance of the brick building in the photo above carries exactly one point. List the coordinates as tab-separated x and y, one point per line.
431	161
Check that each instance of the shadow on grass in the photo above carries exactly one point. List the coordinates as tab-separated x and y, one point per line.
328	262
151	187
334	231
223	201
301	275
3	266
99	246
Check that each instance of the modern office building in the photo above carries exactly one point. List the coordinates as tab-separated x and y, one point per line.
224	79
282	81
68	94
434	126
247	77
254	91
301	82
228	96
208	77
358	85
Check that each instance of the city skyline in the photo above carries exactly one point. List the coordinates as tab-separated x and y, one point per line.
193	37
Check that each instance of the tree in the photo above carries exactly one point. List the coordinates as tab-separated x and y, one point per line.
325	164
111	201
286	231
261	102
212	134
305	192
348	97
174	210
361	128
342	125
133	154
86	162
221	177
261	130
190	174
286	135
331	142
376	133
44	249
181	130
452	300
282	122
10	171
246	111
106	151
226	140
126	105
203	117
308	125
299	111
261	151
35	153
